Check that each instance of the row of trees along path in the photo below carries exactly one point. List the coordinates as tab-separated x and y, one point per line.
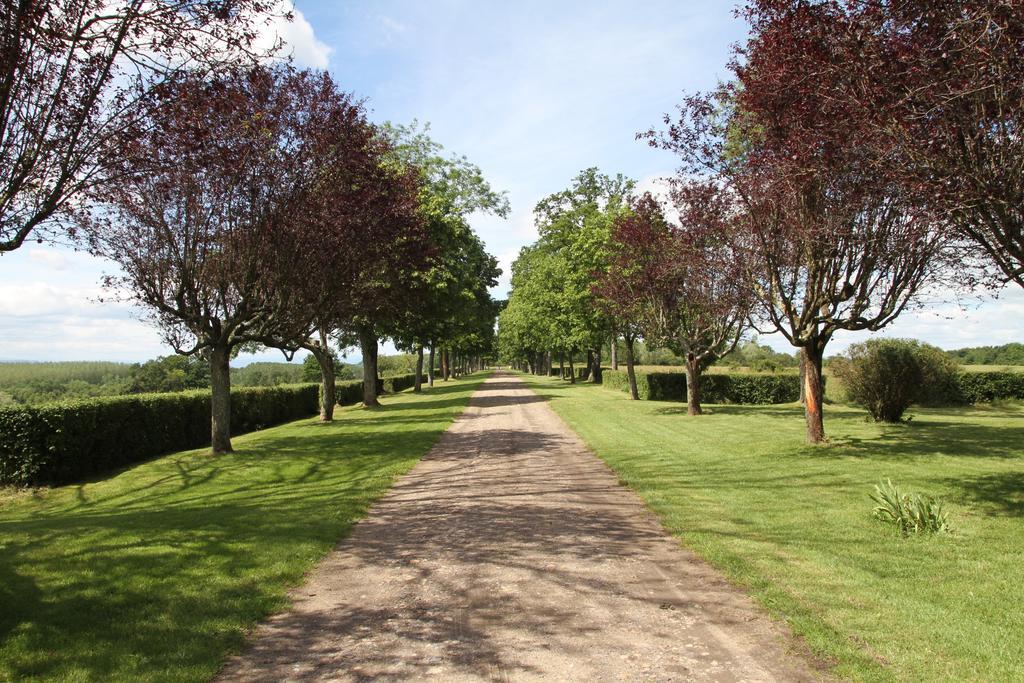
245	203
802	205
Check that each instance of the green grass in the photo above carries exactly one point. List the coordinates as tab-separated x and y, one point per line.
156	573
793	522
992	368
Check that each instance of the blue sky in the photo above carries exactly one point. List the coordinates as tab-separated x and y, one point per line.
533	92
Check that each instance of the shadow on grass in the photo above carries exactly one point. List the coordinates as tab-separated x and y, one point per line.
925	435
998	494
156	572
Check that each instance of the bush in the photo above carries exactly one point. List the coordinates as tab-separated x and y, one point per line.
748	388
68	441
886	376
912	513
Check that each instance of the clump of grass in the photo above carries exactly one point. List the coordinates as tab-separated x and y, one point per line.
911	512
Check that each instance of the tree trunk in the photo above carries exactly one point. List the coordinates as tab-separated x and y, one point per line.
561	364
417	387
572	369
430	368
590	365
630	370
368	342
446	364
803	380
220	399
692	386
596	374
613	350
810	363
328	396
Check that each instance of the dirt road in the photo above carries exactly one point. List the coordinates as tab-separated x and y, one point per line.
510	552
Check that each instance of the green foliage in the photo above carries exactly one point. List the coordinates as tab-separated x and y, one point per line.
401	364
32	383
171	373
887	376
748	388
1007	354
342	371
453	308
69	441
986	387
93	372
912	513
748	354
551	305
264	374
396	383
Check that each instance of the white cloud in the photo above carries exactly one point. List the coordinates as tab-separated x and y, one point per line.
41	299
298	38
985	322
49	258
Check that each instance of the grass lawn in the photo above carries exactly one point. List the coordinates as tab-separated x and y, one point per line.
156	573
793	522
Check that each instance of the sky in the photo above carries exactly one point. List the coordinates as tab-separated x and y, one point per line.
532	92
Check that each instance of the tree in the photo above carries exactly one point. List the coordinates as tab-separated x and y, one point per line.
546	312
212	186
312	372
700	294
76	75
625	288
358	235
450	292
576	223
169	373
941	85
828	235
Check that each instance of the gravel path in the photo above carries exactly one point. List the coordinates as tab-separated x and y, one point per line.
510	552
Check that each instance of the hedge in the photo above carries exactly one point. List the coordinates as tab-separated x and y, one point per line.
971	387
392	385
62	442
985	387
715	388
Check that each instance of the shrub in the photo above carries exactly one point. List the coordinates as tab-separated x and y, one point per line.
68	441
886	376
940	377
912	513
883	376
749	388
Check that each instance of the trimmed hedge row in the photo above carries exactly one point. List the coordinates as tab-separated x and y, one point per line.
985	387
68	441
970	387
351	391
392	385
715	388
